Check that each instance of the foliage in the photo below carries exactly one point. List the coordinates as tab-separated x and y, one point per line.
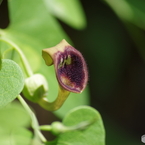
34	30
79	137
33	27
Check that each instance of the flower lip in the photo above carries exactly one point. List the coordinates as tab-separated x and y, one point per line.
71	69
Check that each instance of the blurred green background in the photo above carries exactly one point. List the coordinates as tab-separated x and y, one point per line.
113	44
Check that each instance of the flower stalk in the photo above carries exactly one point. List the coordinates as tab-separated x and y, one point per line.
71	72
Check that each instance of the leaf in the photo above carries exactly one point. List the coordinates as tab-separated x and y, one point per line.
93	135
130	10
16	136
1	1
70	12
12	122
13	115
138	11
11	81
34	30
21	136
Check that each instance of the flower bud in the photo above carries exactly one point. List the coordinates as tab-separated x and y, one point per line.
35	88
57	128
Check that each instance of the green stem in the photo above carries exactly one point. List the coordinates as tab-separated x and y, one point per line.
35	124
58	127
55	105
45	127
25	63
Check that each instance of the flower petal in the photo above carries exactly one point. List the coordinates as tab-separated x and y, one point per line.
70	66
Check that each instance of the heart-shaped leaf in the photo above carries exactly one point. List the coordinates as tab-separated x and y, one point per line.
93	135
11	81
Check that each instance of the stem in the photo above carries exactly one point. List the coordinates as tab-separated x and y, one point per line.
24	61
0	57
55	105
45	127
35	124
58	127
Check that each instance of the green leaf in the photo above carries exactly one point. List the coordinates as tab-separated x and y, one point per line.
1	1
138	11
130	10
93	135
13	115
34	30
11	81
21	136
15	136
70	12
12	122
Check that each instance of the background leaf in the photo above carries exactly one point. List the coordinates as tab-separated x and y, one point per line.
33	30
14	112
17	136
93	135
12	122
1	1
69	12
11	81
130	10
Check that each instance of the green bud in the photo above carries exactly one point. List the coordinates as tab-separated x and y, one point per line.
35	88
57	128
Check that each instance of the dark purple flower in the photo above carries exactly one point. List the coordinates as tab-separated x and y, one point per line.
70	67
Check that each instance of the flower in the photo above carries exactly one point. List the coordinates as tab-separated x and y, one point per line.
70	66
71	72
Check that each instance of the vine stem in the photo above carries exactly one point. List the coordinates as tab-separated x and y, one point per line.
35	124
24	61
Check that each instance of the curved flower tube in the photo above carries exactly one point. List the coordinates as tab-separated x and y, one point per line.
71	72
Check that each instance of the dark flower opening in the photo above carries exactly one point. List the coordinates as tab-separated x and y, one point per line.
71	69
